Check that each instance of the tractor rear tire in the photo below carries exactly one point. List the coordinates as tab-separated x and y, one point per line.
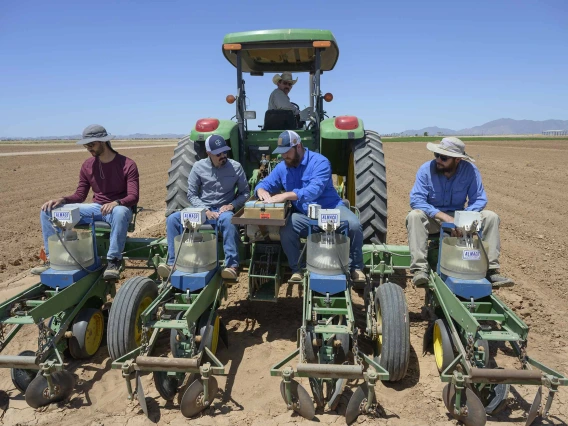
370	191
186	154
124	331
393	346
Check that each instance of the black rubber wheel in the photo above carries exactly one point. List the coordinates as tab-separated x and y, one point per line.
124	332
37	393
21	378
368	169
166	386
88	331
186	154
442	343
392	348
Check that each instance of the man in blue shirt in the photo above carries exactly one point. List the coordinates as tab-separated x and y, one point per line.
442	186
305	176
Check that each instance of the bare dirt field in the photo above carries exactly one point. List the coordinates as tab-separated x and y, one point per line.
526	183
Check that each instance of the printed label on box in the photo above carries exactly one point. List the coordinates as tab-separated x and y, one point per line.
471	255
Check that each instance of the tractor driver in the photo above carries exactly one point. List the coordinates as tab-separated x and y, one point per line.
211	185
114	181
441	187
279	98
305	176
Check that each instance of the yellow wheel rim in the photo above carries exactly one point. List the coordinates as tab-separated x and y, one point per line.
138	329
351	180
94	333
380	336
438	347
215	339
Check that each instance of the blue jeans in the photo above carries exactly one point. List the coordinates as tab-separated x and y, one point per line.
118	220
297	227
229	231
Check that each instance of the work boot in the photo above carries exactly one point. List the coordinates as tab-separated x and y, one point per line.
164	270
112	271
41	268
230	273
420	279
358	276
497	280
297	277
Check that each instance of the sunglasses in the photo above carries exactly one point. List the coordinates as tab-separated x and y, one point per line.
286	83
444	158
89	145
221	154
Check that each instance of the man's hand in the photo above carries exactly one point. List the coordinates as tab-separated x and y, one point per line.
227	208
278	198
262	194
107	208
211	215
444	217
51	204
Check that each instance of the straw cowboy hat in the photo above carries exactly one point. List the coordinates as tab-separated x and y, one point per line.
450	146
286	76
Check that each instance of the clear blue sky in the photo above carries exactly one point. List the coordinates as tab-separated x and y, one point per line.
156	66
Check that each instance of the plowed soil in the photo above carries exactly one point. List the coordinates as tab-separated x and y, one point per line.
526	183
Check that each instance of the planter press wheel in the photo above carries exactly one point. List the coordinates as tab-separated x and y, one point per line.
124	332
88	330
21	378
392	346
442	344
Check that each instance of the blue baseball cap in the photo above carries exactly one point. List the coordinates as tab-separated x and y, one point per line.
216	144
287	140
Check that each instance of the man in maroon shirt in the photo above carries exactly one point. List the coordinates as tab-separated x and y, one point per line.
114	180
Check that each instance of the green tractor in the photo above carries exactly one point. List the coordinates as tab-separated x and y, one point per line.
361	180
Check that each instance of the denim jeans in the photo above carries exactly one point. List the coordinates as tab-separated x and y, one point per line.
118	220
297	227
229	231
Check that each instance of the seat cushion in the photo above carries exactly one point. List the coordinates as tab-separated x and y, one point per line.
101	224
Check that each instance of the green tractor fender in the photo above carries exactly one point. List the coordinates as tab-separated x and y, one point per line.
205	127
342	127
357	158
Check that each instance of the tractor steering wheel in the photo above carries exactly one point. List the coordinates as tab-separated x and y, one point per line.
299	124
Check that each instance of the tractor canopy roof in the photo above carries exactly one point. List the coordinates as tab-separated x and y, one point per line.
281	50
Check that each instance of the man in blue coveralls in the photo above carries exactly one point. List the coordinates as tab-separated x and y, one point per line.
305	176
442	186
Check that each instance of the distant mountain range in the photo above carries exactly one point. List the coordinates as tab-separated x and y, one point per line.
503	126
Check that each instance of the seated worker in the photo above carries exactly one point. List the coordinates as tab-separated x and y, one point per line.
211	185
306	178
442	186
279	97
115	184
